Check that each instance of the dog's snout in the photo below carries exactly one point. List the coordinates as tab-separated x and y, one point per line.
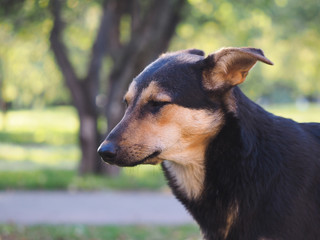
107	151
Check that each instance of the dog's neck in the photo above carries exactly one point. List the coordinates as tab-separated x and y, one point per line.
206	194
186	179
227	157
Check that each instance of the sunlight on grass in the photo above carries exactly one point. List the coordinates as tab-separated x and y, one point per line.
53	178
12	155
57	118
55	126
30	139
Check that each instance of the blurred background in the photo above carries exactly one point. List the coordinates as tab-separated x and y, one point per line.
65	65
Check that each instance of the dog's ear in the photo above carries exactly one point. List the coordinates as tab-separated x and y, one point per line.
195	52
229	67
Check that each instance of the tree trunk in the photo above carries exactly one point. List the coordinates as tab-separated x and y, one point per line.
151	30
83	92
151	35
89	138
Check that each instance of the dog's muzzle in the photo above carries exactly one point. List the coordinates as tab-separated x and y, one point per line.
113	154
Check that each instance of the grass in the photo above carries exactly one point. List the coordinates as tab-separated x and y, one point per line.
143	178
33	156
84	232
38	150
53	126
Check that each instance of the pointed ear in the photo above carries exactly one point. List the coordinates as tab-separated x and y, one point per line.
229	66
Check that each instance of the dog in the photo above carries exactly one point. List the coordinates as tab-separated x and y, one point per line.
241	172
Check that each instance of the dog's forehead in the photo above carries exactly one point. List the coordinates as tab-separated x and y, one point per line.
177	75
169	70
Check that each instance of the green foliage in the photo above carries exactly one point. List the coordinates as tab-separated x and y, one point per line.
29	74
286	30
82	232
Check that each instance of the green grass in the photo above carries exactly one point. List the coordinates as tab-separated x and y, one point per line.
45	138
140	178
38	150
82	232
33	156
54	126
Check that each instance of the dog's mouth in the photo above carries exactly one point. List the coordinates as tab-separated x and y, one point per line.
150	159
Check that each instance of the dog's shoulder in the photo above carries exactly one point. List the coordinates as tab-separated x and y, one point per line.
312	128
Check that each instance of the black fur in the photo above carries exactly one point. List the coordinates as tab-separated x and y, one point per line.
269	166
264	168
178	74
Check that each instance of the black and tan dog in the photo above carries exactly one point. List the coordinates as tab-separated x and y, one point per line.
243	173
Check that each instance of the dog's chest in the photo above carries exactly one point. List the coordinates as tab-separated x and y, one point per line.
188	180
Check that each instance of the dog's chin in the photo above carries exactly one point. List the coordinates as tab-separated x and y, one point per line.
151	159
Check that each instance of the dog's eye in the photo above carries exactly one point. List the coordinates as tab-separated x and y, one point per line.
153	103
156	105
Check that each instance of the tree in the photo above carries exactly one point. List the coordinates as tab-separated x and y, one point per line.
152	25
130	35
287	31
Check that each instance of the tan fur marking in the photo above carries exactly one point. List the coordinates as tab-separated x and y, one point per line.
155	93
186	153
232	215
131	92
230	102
139	139
189	178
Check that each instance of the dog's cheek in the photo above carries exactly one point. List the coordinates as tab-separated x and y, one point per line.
143	136
168	127
185	132
192	123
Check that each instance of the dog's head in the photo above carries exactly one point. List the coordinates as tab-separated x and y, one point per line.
176	105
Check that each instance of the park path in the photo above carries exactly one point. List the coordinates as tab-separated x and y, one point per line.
96	208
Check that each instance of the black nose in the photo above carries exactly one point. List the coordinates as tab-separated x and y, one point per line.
107	151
